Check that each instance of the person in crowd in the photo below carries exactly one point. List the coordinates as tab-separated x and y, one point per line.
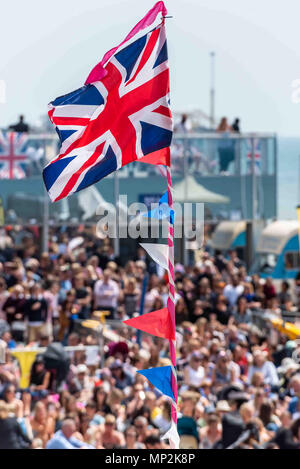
100	397
108	437
242	314
211	433
236	125
222	373
11	433
288	438
130	297
181	311
83	295
42	423
10	397
121	378
35	311
294	389
269	289
284	296
266	367
64	439
131	439
106	293
225	145
233	290
181	127
13	310
194	371
39	378
20	126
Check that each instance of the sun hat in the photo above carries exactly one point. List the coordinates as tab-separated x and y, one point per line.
223	406
82	368
288	364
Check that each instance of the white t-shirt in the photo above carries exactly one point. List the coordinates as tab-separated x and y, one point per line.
106	294
196	376
232	293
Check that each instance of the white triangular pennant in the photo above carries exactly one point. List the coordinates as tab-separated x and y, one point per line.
172	436
158	252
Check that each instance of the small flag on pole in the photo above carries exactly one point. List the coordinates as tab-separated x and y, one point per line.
160	377
157	323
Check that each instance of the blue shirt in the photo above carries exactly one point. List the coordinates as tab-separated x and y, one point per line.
293	405
59	441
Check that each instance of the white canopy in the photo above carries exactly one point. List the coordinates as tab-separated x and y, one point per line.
196	193
225	234
275	236
91	200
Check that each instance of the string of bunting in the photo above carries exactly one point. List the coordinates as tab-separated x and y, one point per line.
161	323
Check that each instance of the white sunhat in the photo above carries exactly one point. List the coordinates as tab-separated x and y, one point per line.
288	364
82	368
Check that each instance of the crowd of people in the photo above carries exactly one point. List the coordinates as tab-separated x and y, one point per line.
239	385
219	158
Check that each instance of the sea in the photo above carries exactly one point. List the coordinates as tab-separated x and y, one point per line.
288	177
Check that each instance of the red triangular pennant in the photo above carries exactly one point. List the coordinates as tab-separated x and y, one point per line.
157	323
157	157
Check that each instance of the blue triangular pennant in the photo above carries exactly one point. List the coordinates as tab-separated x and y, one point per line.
160	377
162	211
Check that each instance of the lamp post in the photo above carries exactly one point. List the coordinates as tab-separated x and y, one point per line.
212	90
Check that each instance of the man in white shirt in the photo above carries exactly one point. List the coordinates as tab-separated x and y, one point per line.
264	366
63	439
106	293
233	290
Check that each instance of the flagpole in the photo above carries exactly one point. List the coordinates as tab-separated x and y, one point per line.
45	230
212	90
116	197
171	308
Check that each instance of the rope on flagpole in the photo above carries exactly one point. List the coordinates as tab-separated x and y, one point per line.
171	299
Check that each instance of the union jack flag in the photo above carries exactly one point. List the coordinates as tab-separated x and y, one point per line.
257	154
111	122
13	155
257	149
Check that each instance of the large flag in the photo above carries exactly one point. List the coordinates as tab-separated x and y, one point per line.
118	118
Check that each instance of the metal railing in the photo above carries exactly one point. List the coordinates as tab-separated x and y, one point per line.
207	153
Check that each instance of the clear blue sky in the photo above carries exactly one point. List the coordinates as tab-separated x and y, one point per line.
48	48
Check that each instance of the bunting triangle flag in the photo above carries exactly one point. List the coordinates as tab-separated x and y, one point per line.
157	323
157	157
160	377
158	252
172	436
162	210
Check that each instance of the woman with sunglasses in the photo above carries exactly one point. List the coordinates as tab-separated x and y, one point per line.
194	372
131	439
